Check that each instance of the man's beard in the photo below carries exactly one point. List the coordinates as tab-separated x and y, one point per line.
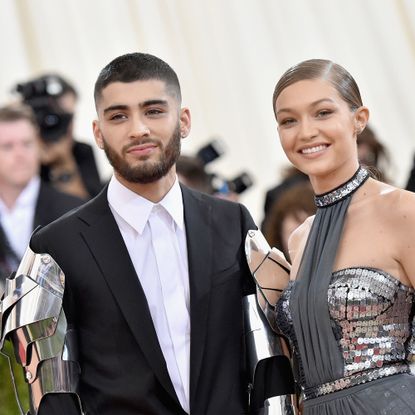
146	172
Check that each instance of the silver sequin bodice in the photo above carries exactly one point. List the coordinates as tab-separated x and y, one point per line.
371	314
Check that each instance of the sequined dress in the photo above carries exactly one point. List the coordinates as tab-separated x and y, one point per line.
351	331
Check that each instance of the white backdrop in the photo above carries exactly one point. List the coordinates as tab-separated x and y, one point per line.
228	55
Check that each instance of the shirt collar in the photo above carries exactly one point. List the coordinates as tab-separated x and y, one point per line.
173	203
135	209
28	196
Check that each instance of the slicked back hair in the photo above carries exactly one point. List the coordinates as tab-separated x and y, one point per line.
137	67
327	70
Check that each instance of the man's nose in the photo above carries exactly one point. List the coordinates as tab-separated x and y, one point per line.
139	128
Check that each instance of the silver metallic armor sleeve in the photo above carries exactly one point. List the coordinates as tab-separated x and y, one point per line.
270	271
33	320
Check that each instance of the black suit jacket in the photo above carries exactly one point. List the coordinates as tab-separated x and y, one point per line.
51	204
123	369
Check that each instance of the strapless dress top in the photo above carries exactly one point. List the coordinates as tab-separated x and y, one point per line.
371	316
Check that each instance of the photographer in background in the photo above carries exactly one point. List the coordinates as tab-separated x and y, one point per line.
69	165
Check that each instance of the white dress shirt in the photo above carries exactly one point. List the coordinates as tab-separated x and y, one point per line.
18	222
156	241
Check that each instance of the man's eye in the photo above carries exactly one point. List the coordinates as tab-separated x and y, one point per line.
154	111
29	144
6	147
117	117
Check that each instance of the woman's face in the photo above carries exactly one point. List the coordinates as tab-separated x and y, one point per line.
317	129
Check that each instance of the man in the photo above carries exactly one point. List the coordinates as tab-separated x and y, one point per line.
25	201
155	272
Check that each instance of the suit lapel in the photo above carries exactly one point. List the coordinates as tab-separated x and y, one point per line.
109	251
197	213
42	207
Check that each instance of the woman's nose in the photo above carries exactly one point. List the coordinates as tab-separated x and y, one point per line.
307	129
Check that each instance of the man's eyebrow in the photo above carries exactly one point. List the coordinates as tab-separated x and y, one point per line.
116	107
144	104
153	102
313	104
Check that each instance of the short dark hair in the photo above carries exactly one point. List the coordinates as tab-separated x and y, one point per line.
137	67
17	112
338	76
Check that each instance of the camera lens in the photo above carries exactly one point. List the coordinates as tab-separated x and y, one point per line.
51	120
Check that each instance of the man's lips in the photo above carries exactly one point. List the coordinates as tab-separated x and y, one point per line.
142	148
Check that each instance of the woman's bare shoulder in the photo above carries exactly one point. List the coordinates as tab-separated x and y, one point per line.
398	204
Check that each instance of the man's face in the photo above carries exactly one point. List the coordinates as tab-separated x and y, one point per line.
19	153
140	127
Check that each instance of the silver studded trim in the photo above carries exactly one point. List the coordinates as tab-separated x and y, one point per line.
356	379
343	191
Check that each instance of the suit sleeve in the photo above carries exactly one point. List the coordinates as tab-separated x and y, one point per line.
63	404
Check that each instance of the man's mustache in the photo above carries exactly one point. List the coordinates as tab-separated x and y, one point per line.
141	142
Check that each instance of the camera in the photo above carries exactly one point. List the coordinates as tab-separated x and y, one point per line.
210	151
42	94
238	184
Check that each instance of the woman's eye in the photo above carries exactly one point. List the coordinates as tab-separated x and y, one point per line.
287	121
324	113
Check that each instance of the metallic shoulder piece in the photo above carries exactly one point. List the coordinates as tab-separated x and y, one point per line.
264	346
33	320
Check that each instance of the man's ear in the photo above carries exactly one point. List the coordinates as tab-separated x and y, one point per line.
97	134
361	118
185	122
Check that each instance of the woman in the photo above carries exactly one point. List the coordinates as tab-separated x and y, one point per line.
348	308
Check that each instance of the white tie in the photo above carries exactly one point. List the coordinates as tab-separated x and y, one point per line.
175	343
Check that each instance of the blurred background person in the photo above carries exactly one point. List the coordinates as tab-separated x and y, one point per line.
294	205
373	154
191	172
25	203
68	164
410	184
290	177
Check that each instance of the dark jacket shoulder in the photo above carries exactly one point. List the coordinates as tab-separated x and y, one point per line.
218	204
51	204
